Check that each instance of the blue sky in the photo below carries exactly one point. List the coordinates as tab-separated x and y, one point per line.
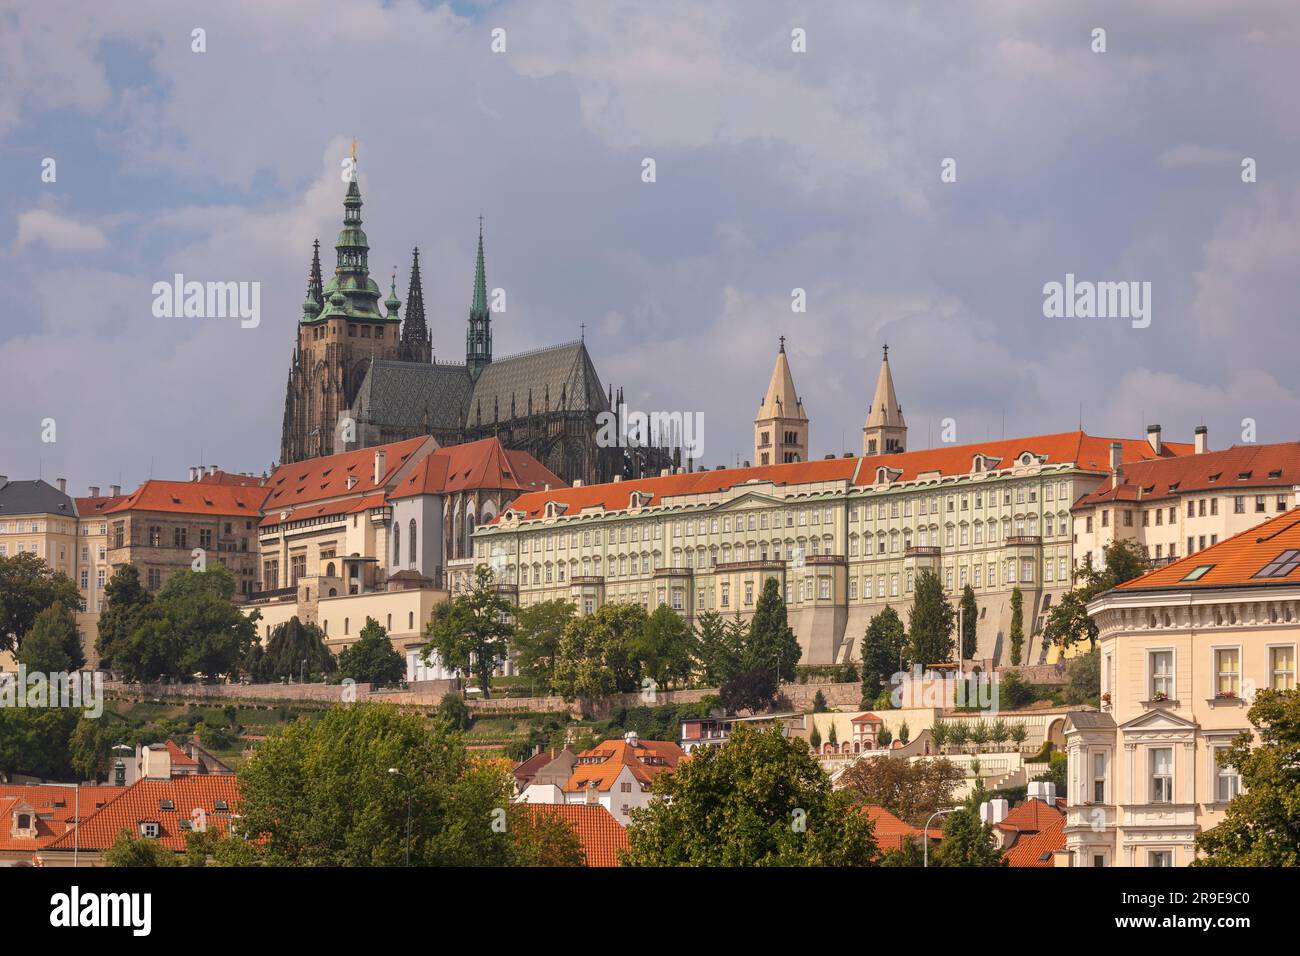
775	170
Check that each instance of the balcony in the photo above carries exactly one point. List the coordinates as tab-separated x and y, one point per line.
275	594
1024	541
921	552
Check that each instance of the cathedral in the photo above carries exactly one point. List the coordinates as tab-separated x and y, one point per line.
364	375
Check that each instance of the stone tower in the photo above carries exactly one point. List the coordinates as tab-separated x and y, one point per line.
885	432
781	427
340	332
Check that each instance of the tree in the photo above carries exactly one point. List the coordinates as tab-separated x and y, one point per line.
969	618
372	659
471	633
819	703
543	837
53	644
885	737
833	738
536	642
910	789
758	800
815	739
930	623
34	741
1084	676
664	648
883	647
1018	734
999	732
1262	823
772	643
130	850
296	651
719	647
453	709
597	654
1013	692
1068	622
968	840
979	735
320	794
959	734
90	747
28	586
939	732
752	691
1017	624
124	599
904	733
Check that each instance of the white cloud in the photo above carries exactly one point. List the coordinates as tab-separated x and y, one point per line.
58	233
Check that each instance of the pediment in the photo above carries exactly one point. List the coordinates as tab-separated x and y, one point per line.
1158	719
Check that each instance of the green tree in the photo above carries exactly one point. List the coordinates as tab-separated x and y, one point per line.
28	586
968	840
321	794
1068	622
772	643
833	738
132	851
910	789
969	618
758	800
295	651
536	642
372	659
999	732
597	655
664	648
815	739
939	732
930	623
885	737
124	599
719	647
1262	823
904	733
1017	625
90	746
753	691
819	703
453	709
35	741
53	645
883	648
979	735
1013	692
1084	675
471	633
1018	734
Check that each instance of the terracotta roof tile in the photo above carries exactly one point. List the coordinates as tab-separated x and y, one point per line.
1030	816
1248	467
1036	849
191	497
602	836
479	464
891	831
142	802
55	809
605	762
325	479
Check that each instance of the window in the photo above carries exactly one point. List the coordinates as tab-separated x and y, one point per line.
1160	858
1260	505
1160	665
1239	505
1162	774
1281	668
1198	572
1227	782
1282	565
1227	672
410	547
1099	777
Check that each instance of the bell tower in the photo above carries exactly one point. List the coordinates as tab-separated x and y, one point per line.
781	426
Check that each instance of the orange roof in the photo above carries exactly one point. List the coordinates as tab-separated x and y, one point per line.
479	464
1087	452
324	479
143	802
1238	561
867	718
601	835
1031	816
219	477
1241	466
602	764
98	505
179	757
55	809
191	497
1036	849
890	830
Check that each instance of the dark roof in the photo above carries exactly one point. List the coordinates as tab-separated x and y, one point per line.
560	371
1091	720
405	393
34	497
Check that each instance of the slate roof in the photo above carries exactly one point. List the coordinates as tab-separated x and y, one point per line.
403	393
34	497
1091	720
565	369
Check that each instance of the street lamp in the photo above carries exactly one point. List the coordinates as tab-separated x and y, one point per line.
76	816
925	834
397	773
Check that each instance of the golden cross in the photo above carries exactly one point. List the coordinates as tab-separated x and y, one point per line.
354	151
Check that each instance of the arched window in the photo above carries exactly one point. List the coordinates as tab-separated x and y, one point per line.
410	548
397	544
329	570
469	533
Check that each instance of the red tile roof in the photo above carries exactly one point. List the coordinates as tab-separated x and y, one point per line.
601	835
480	464
1087	452
219	477
1036	849
891	831
179	758
87	507
191	497
1030	816
1233	562
324	479
1249	467
605	762
55	809
141	802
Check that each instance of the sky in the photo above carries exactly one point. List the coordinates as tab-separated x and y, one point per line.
775	170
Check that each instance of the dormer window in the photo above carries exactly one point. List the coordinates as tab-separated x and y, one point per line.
150	829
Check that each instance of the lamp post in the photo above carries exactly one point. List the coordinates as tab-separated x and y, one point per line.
925	834
76	816
397	773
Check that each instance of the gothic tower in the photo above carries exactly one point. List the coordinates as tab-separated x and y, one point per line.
478	340
885	432
417	346
341	330
781	427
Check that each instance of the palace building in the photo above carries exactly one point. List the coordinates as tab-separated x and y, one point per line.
844	537
362	375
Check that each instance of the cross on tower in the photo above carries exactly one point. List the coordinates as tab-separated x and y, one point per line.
783	343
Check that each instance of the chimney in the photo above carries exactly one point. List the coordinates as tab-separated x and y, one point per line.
62	484
1202	439
632	739
593	795
617	479
212	469
993	812
193	477
352	480
665	472
1153	438
379	465
746	464
94	491
1042	790
1116	457
577	482
114	490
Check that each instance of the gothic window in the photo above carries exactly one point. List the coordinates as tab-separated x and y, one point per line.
397	544
411	545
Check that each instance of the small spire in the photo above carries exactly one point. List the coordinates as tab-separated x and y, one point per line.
783	343
886	347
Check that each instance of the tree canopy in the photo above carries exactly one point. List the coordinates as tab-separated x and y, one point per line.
471	632
930	623
372	659
27	587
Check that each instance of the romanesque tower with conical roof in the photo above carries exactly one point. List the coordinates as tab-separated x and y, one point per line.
885	432
781	427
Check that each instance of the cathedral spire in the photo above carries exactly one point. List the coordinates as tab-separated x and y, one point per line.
417	346
311	306
478	340
781	425
885	432
350	292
